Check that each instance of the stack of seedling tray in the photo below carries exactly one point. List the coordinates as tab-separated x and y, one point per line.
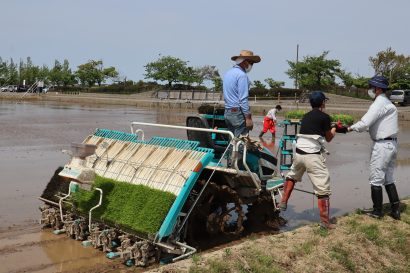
343	118
135	208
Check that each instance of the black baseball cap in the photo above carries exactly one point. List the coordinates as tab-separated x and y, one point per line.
316	98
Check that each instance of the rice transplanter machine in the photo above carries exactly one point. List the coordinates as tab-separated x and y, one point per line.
148	201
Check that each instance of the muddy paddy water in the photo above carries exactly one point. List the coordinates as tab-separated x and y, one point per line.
33	135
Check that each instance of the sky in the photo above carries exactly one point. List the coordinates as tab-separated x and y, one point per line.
128	34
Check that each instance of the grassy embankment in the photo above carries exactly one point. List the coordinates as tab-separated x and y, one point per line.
358	244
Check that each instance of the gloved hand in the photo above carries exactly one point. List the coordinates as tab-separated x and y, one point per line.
340	128
249	123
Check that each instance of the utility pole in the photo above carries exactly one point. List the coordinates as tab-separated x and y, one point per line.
297	60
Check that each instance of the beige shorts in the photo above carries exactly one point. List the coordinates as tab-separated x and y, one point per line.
314	165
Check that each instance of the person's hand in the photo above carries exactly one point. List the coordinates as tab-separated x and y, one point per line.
249	123
339	127
341	130
337	124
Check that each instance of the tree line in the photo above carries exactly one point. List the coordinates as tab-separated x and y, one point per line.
25	72
312	73
318	72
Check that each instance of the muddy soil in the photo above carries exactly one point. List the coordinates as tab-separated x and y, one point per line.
33	135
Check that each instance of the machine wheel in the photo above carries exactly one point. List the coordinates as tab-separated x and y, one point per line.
218	211
261	214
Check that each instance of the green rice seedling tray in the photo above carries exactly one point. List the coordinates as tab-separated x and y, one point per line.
133	207
295	114
344	118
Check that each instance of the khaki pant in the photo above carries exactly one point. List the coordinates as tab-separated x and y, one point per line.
314	165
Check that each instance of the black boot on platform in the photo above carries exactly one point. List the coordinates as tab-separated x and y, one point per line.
394	200
377	198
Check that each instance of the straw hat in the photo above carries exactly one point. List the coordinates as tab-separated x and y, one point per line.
247	55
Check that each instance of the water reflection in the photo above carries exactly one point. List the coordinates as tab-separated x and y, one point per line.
67	254
268	143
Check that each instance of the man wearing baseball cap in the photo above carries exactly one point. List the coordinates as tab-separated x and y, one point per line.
236	85
382	122
315	129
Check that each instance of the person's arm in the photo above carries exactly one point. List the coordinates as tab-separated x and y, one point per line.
367	120
243	92
330	131
330	134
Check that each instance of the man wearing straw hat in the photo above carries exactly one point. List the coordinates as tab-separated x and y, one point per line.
236	85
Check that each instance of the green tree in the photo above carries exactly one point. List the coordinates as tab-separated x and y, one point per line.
314	72
43	73
93	72
3	72
89	73
190	76
259	85
28	71
67	76
360	81
13	74
110	73
395	67
61	74
167	68
346	77
217	81
55	75
9	72
206	73
274	84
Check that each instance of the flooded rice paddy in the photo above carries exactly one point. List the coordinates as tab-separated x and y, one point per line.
33	135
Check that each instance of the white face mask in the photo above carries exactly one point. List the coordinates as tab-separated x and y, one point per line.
248	69
371	93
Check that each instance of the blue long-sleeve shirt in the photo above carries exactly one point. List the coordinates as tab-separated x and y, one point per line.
236	89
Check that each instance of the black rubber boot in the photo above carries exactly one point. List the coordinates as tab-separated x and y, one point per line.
377	198
394	200
261	134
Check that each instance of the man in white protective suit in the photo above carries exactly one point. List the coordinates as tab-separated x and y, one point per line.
381	120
